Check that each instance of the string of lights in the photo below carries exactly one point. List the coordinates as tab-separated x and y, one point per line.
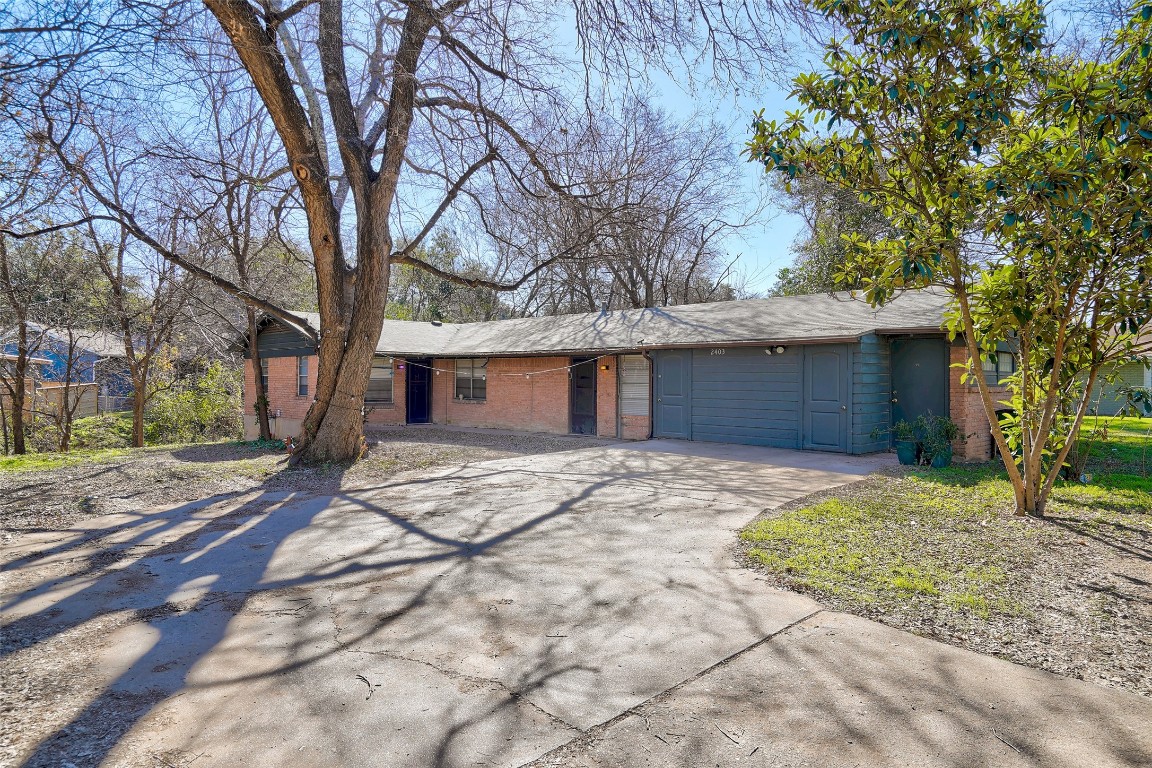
526	374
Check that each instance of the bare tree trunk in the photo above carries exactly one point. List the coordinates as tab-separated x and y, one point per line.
261	401
17	392
139	399
18	389
4	424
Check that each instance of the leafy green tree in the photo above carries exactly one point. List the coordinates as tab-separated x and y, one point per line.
419	294
197	408
830	214
1013	179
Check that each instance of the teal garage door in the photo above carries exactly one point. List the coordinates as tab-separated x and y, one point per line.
793	399
745	395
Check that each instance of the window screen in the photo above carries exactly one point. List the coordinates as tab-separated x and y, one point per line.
471	378
633	385
302	376
380	381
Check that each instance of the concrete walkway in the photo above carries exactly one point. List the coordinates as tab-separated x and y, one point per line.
578	608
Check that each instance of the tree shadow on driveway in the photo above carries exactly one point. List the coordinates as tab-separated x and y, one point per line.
495	610
173	583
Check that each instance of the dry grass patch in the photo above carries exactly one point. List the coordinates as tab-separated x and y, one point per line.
939	553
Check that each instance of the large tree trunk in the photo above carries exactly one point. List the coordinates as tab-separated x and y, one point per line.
350	299
261	401
333	431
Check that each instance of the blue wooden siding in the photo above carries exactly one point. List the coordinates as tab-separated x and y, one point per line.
279	341
746	396
56	352
871	395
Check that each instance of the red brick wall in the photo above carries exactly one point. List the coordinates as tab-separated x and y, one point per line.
967	411
282	392
515	400
606	397
281	388
635	427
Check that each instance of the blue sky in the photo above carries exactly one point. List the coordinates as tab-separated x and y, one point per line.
765	247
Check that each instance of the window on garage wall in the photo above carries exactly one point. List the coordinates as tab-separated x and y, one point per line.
633	385
472	378
380	381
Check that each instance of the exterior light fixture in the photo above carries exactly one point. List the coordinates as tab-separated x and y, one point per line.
779	350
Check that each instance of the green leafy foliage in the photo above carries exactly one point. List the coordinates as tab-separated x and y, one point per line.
418	294
832	216
1015	180
108	430
204	407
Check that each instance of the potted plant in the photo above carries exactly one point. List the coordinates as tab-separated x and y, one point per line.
936	444
905	442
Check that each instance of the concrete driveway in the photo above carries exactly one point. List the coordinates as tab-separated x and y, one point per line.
578	608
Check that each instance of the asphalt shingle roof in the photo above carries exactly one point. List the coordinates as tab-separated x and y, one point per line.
790	319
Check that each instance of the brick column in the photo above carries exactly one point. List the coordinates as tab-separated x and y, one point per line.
606	396
975	443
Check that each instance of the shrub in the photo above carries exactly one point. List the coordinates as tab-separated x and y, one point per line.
205	407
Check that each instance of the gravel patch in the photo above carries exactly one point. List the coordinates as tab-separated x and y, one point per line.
53	499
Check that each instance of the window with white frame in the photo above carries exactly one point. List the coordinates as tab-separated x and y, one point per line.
998	367
634	382
264	374
302	376
472	378
380	381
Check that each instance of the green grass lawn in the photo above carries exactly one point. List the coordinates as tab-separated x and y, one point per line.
947	539
33	462
1118	444
239	461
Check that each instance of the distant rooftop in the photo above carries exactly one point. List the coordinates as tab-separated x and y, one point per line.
778	320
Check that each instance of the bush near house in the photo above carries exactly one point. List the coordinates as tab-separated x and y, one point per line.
205	407
196	409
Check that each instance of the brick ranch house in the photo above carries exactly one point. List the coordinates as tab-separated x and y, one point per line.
814	372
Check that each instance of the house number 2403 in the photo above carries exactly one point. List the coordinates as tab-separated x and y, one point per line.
717	351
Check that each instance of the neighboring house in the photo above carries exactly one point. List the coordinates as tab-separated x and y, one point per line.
42	396
98	359
1108	401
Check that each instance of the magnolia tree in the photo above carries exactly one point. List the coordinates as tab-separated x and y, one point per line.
1015	179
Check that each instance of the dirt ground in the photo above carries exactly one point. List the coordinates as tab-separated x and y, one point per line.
55	498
